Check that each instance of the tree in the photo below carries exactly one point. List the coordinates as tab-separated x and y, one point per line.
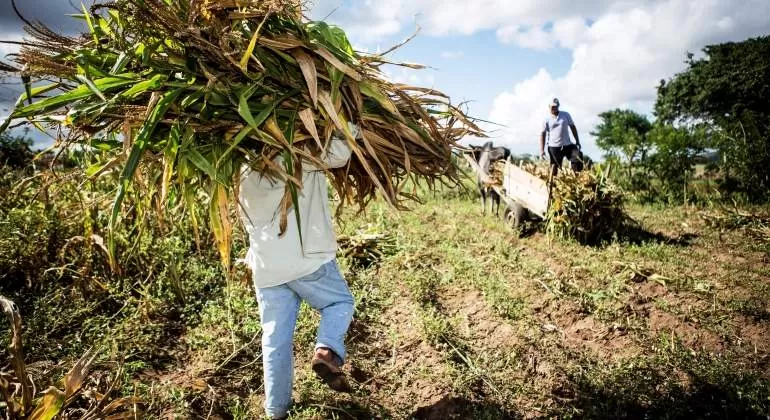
623	132
729	89
674	158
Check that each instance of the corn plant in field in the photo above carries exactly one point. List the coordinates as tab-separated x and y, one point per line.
17	388
193	91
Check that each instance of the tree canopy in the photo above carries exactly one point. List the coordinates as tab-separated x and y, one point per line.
728	89
623	132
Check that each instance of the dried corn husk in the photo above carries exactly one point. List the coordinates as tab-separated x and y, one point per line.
202	87
585	206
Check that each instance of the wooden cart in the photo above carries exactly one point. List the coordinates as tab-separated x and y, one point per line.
523	193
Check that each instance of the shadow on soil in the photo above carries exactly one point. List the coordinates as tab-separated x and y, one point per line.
346	411
461	408
646	394
637	235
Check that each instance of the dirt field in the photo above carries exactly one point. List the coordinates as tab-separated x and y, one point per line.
462	318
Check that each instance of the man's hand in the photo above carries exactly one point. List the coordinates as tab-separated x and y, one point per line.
542	155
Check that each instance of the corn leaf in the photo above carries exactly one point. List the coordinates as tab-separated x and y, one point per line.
138	148
236	141
200	162
339	65
220	223
85	80
80	92
308	120
245	111
374	92
139	88
73	380
307	65
90	22
37	91
49	406
289	163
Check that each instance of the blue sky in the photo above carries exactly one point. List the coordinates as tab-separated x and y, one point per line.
510	57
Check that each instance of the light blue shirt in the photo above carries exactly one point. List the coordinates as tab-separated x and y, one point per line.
557	129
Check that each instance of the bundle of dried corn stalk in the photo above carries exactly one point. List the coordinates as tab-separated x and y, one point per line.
365	250
201	88
585	206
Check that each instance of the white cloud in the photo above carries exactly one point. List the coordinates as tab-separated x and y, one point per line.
412	77
619	60
452	55
6	48
527	37
374	19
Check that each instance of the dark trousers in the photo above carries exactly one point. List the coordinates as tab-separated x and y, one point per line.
570	152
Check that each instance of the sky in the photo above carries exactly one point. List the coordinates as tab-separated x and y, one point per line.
509	58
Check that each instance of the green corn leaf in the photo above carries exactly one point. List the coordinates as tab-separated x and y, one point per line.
115	17
90	65
375	93
200	161
90	22
27	87
105	144
4	125
245	131
245	111
80	92
155	83
85	80
332	37
145	133
29	94
120	63
216	98
104	26
99	168
37	91
192	98
289	163
336	77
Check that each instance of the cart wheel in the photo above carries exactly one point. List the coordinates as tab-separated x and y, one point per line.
515	215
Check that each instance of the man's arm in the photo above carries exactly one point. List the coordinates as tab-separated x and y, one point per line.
542	145
574	130
575	134
338	154
543	130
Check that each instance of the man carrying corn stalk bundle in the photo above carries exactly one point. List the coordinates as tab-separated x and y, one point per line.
294	266
559	144
176	97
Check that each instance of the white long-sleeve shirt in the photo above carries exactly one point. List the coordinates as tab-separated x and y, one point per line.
277	260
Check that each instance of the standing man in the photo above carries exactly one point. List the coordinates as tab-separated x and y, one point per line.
559	144
288	268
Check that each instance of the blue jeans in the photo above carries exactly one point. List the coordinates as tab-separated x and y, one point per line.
324	290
